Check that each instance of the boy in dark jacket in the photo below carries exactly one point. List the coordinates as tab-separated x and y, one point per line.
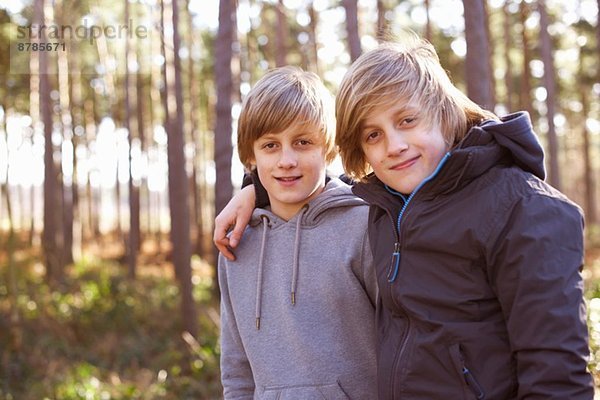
478	259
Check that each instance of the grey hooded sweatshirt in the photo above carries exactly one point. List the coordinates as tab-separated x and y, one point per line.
298	304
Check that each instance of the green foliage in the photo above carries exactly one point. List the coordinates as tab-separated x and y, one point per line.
101	336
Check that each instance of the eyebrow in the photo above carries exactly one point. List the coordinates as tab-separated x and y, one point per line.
399	111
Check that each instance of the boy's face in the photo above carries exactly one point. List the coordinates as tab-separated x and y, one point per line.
291	166
401	145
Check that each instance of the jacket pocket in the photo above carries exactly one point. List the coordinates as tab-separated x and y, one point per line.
468	379
329	391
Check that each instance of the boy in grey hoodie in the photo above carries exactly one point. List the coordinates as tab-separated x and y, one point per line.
297	312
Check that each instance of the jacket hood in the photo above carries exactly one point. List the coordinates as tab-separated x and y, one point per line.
513	133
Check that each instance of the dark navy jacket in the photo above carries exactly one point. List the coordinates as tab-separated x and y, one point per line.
480	280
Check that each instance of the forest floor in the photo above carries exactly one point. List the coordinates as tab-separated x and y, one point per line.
101	336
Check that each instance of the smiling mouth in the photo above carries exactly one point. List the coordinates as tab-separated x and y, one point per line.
288	178
405	164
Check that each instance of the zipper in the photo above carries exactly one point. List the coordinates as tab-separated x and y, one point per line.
395	266
395	262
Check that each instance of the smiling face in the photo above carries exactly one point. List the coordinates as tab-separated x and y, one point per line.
402	146
291	166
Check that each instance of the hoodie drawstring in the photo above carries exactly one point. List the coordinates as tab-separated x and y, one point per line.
296	257
259	280
295	266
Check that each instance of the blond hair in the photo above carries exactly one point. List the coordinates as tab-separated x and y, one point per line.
409	72
281	98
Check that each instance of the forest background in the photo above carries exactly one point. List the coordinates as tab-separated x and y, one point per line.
117	133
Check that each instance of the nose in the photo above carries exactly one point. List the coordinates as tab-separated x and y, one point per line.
396	143
288	158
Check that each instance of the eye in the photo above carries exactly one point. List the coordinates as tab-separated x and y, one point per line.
304	142
269	146
372	136
407	121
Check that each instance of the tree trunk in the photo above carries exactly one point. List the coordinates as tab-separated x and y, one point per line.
525	94
550	85
314	47
52	255
67	128
224	84
589	203
280	47
508	76
133	241
179	208
141	131
428	23
194	127
351	7
479	81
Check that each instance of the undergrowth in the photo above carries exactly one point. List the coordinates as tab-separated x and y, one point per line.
101	336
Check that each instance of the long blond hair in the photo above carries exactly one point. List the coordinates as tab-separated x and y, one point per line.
406	72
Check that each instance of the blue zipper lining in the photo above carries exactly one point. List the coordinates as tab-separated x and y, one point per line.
396	255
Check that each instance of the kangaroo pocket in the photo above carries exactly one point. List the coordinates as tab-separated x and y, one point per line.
330	391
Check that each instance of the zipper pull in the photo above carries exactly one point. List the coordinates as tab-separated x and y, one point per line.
394	264
473	384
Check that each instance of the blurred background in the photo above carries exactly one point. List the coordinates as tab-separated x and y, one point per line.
117	133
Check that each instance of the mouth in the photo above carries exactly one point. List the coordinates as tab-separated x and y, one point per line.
405	164
288	179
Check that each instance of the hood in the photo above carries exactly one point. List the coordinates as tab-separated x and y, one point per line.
514	133
336	194
508	141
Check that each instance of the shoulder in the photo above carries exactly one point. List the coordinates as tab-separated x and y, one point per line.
526	204
516	186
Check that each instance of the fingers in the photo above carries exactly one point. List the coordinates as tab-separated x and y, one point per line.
220	239
236	233
225	249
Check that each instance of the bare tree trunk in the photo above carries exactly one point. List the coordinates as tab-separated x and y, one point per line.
134	197
550	85
141	130
66	118
351	7
428	34
525	94
598	37
508	76
479	81
588	169
280	47
91	206
491	47
313	38
178	193
167	117
52	254
224	83
194	123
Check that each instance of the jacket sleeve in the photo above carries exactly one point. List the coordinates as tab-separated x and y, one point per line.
535	269
236	374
